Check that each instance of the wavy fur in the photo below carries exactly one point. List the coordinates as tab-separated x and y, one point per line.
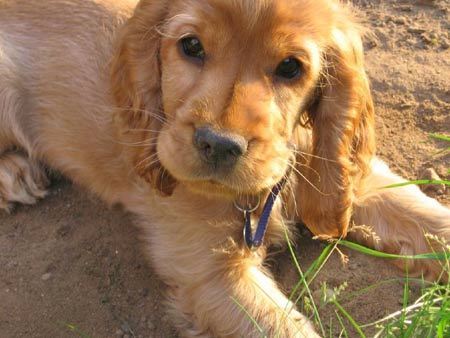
101	91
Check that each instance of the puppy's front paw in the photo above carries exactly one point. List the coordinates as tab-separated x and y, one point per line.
21	181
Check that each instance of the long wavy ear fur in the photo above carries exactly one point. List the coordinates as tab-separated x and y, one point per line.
135	77
343	137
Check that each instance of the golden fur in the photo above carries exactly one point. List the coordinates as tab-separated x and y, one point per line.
99	90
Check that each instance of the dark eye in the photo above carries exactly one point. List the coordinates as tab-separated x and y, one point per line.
289	68
192	47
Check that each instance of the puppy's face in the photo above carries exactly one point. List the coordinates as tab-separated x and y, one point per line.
235	77
231	80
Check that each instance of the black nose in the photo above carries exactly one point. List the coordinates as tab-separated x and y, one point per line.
219	148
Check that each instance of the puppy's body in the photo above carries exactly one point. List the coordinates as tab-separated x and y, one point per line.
55	88
58	106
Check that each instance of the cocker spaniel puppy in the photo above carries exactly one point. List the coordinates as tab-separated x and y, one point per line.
185	112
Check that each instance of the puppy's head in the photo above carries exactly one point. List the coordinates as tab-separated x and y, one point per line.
221	86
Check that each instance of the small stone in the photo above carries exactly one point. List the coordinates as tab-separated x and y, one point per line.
119	332
150	325
389	18
400	21
317	296
426	2
406	105
416	30
126	336
431	174
405	8
46	276
371	44
429	39
145	292
125	327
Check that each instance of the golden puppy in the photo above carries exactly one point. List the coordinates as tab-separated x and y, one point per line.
178	109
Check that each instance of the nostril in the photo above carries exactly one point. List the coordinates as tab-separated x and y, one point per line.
236	150
202	141
203	145
207	149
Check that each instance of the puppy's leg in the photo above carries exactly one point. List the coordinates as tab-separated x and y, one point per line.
21	180
400	217
223	292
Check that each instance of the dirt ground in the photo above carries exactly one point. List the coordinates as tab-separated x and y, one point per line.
70	263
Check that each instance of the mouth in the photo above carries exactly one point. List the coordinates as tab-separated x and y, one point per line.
223	165
241	180
231	185
216	188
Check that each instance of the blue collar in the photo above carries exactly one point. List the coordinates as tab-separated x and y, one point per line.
254	241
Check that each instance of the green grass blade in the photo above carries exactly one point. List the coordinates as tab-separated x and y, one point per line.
405	305
313	270
422	313
378	254
416	182
344	330
73	328
440	137
319	261
249	316
444	324
350	319
362	291
303	279
330	333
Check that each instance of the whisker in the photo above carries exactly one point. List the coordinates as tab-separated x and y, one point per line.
156	113
153	158
141	145
308	181
147	130
314	156
311	169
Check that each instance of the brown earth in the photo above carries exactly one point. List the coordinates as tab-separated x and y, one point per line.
72	261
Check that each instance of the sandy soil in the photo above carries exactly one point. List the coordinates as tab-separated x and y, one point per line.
70	262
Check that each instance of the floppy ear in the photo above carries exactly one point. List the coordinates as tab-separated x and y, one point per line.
135	77
343	137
